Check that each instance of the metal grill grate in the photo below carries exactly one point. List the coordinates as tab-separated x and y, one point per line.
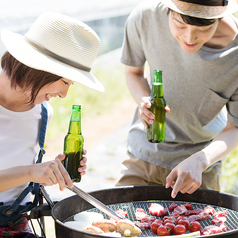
130	208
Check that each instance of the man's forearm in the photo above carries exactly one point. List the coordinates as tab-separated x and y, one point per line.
136	83
223	144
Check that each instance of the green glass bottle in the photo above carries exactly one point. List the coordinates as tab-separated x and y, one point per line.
156	131
73	145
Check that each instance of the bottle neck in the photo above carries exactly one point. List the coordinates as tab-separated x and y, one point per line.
75	122
157	90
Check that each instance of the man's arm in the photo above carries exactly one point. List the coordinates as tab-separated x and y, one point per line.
188	174
138	86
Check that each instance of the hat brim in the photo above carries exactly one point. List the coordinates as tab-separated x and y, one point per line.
30	56
230	9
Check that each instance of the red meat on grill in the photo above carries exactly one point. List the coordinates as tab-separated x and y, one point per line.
143	225
122	213
158	210
209	210
195	218
180	209
212	229
188	206
219	218
198	217
220	214
148	219
140	214
193	212
218	221
172	206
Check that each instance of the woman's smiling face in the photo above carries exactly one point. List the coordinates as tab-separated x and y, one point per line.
59	88
190	37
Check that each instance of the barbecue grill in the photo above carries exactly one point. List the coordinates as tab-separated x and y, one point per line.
132	197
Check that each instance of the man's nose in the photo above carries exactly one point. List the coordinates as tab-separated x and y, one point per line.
190	36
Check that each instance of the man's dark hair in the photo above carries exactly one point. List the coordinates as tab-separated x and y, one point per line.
195	21
26	77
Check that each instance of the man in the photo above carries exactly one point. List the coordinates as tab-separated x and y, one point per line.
195	44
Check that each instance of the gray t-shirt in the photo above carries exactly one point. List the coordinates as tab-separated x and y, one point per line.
197	86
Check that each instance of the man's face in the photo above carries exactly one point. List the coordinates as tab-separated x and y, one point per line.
191	38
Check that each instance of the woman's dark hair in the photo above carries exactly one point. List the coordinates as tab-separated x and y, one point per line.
25	77
194	20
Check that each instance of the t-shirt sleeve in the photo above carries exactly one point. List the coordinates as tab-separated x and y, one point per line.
232	109
132	50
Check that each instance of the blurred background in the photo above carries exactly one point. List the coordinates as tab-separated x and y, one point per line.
106	117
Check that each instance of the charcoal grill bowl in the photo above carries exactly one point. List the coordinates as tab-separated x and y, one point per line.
74	204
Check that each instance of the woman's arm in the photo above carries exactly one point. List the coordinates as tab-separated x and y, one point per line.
47	173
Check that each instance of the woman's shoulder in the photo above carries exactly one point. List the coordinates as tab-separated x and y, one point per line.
49	110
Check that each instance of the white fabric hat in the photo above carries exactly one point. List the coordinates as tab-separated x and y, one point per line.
59	45
207	9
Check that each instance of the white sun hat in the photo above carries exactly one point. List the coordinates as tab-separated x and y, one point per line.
207	9
57	44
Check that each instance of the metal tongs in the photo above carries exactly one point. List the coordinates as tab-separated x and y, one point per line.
96	203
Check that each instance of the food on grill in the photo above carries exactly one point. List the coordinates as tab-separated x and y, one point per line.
188	206
179	229
155	225
182	219
220	214
163	231
171	226
140	214
158	210
77	225
88	216
183	215
209	210
217	224
105	225
148	219
172	206
169	219
194	226
93	229
193	212
184	222
127	228
180	209
143	225
122	213
212	229
218	221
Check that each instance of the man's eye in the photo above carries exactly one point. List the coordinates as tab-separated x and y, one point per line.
205	30
180	26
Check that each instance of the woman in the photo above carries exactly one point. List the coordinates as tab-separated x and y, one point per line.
54	53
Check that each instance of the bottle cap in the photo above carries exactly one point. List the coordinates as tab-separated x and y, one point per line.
76	106
157	77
